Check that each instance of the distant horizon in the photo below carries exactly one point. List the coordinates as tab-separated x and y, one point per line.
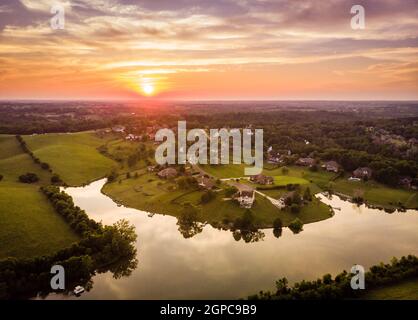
204	100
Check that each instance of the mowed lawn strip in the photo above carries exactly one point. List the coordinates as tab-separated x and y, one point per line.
73	156
29	226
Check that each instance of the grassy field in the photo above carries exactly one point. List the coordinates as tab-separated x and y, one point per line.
377	194
405	290
73	156
29	226
225	171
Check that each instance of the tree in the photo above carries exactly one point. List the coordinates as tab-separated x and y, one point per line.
277	223
55	179
112	176
29	178
230	191
296	226
128	175
45	166
307	194
1	177
285	170
277	227
207	196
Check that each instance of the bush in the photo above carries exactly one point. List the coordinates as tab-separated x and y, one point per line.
208	196
295	208
45	166
29	178
296	226
55	179
230	191
112	177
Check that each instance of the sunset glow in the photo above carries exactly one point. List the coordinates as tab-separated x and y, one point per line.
148	89
211	50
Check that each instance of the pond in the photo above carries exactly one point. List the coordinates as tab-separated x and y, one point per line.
213	265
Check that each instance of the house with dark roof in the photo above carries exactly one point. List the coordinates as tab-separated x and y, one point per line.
168	173
261	179
331	166
362	173
306	162
245	198
205	183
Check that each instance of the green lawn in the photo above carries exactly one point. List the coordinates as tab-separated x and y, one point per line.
149	193
73	156
29	226
377	194
225	171
405	290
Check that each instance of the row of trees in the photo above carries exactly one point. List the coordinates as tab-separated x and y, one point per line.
101	248
340	287
55	179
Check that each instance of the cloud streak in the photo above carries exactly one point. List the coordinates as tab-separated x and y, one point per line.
108	46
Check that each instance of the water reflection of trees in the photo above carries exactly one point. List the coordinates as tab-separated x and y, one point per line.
248	235
187	222
113	250
277	232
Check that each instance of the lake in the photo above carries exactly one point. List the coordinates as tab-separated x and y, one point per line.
213	265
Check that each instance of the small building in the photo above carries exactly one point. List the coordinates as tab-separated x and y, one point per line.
118	129
362	173
331	166
168	173
306	162
261	179
274	159
205	183
406	182
245	198
132	137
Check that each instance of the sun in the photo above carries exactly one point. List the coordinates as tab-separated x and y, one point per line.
148	89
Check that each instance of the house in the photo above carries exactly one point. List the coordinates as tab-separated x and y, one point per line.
274	159
306	162
362	173
331	166
245	198
151	168
132	137
205	183
406	182
118	129
168	173
261	179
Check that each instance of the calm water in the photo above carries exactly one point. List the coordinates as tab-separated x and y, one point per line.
213	265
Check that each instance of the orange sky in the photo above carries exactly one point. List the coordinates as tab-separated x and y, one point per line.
218	49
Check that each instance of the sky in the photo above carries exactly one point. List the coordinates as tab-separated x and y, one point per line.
209	50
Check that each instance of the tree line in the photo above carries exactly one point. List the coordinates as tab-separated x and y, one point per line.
101	248
328	288
31	177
